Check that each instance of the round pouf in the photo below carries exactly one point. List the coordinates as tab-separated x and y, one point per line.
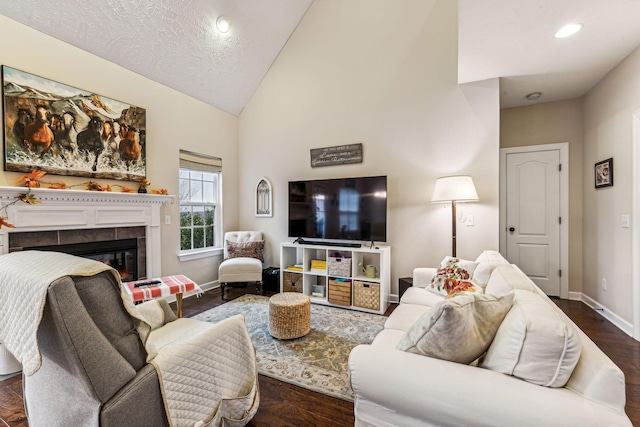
289	315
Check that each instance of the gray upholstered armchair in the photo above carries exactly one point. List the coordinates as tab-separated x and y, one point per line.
94	369
100	360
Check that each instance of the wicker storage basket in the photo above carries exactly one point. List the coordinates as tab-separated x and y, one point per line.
292	282
339	266
340	292
366	295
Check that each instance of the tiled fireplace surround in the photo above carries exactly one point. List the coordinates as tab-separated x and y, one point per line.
72	216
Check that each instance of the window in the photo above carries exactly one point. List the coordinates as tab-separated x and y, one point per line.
200	202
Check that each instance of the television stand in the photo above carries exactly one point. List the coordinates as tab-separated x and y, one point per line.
337	276
321	243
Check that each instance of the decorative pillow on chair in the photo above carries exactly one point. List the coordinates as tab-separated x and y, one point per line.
246	249
451	273
458	329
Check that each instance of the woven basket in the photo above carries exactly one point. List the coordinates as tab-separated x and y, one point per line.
366	295
339	266
289	315
292	282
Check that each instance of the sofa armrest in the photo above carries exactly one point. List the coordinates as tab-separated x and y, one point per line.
419	390
422	276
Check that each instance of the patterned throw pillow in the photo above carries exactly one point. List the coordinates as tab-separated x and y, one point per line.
246	249
453	274
458	329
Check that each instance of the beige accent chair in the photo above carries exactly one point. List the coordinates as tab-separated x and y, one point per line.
241	269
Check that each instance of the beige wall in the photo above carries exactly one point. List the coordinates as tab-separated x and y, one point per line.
383	73
551	123
174	121
608	121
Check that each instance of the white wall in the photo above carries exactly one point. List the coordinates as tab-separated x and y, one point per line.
383	73
608	117
174	121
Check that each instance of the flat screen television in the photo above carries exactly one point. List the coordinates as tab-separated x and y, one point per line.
340	209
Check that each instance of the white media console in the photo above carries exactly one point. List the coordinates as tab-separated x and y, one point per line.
336	276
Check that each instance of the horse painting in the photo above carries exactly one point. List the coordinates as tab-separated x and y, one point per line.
63	130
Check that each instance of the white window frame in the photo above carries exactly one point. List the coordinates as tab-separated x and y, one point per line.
195	162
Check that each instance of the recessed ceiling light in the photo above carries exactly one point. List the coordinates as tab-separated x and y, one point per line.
568	30
222	24
533	96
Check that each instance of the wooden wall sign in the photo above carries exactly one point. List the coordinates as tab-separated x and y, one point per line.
338	155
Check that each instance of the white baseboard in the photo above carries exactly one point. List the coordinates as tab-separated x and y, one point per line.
393	298
622	324
575	296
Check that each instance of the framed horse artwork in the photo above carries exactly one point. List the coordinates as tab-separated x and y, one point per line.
63	130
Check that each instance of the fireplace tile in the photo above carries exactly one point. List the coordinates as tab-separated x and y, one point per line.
32	239
68	237
130	232
142	258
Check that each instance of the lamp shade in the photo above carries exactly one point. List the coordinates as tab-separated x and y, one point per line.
457	188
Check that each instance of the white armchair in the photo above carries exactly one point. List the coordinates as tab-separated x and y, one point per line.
243	258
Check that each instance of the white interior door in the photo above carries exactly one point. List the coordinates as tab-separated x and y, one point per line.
533	216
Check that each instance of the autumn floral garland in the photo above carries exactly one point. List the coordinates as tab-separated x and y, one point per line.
34	180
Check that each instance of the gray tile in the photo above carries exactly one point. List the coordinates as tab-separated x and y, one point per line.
30	239
68	237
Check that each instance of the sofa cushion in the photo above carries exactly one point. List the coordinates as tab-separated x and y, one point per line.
509	277
246	249
405	315
420	296
387	338
458	329
534	343
450	272
487	262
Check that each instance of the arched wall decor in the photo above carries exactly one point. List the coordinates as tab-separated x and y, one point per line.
264	198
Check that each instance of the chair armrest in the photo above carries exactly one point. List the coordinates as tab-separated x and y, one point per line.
138	403
438	392
422	276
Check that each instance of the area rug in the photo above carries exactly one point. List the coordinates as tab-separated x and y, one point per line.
317	361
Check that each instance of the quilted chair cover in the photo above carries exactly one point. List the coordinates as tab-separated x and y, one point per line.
86	363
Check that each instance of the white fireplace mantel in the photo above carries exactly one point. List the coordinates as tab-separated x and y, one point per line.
79	209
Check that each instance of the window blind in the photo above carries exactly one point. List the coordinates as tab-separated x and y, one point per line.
201	162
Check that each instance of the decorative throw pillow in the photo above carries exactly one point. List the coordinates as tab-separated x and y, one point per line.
534	343
459	329
451	272
246	249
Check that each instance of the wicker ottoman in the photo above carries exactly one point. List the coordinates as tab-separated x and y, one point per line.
289	315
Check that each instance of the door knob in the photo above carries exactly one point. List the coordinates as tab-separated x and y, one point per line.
512	229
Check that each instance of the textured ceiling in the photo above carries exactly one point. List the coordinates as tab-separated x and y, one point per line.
513	39
175	42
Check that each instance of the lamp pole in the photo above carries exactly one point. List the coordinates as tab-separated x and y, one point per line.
453	228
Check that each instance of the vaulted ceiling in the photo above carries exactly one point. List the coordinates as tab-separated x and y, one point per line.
177	43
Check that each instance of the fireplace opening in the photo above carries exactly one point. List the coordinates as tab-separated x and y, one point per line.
119	254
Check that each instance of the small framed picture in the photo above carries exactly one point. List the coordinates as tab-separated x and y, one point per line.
604	173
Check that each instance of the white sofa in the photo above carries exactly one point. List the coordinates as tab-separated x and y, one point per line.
400	388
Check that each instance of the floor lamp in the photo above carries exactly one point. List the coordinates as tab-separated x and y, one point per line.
454	189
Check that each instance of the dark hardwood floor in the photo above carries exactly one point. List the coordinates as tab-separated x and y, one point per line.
283	404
